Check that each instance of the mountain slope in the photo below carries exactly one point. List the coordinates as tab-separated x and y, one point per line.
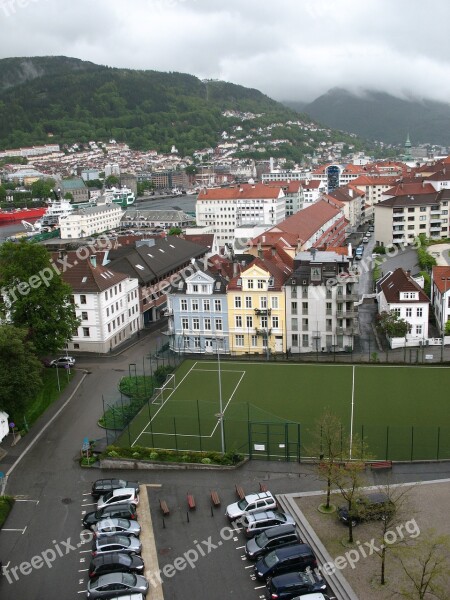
379	116
76	101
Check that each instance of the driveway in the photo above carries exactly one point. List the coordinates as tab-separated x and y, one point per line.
406	259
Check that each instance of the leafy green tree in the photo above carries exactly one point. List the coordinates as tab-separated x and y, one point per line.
37	298
191	170
68	196
175	231
20	371
42	188
112	180
447	328
392	325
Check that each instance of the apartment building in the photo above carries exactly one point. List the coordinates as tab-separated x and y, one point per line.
440	295
89	221
400	219
224	209
198	313
320	303
352	203
373	187
256	308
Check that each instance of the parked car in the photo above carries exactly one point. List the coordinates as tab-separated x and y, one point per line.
367	508
365	240
251	504
275	537
113	526
114	562
283	560
103	486
121	496
368	234
118	584
289	585
120	511
258	522
63	361
128	597
116	543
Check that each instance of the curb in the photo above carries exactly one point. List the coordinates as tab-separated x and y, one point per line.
338	583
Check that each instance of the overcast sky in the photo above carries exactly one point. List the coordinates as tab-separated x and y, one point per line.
289	49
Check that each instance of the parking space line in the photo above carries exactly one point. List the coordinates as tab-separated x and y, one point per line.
240	547
82	592
90	504
250	567
86	494
84	551
21	530
25	500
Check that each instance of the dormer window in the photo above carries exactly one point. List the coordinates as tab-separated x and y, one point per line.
316	274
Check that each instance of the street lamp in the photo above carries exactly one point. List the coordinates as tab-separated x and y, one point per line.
443	316
220	415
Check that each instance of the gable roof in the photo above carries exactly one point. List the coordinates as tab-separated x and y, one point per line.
399	281
258	190
279	273
83	277
440	274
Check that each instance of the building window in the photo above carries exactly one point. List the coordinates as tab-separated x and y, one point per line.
237	302
195	288
187	343
293	308
304	308
86	332
263	302
196	324
197	342
275	322
409	312
305	340
294	324
329	308
418	329
238	320
82	299
304	291
185	324
264	322
397	311
254	341
249	323
206	305
274	301
84	316
240	341
419	312
305	324
294	340
195	305
250	284
184	305
218	324
218	305
260	284
248	301
207	324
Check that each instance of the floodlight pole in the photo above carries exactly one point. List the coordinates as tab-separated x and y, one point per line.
222	435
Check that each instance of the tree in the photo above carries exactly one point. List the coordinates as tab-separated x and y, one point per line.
393	325
20	371
326	448
35	296
68	196
42	188
191	170
427	568
447	328
111	181
175	231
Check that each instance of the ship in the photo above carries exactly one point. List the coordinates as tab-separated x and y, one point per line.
19	214
122	196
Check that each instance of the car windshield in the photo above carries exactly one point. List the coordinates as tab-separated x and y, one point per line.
129	579
123	540
123	523
107	496
243	504
122	483
271	559
261	540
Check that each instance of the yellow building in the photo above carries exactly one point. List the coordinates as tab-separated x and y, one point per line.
256	309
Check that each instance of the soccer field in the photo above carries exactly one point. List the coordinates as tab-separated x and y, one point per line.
270	409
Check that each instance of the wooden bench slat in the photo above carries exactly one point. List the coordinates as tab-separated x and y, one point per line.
240	492
191	501
164	507
215	498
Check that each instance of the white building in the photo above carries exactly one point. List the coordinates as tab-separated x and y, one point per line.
440	295
4	425
106	302
248	204
88	221
398	292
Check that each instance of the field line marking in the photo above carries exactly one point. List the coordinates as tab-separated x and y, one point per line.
351	418
162	405
230	399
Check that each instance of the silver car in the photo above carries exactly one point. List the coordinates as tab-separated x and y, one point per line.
117	526
120	496
116	543
116	584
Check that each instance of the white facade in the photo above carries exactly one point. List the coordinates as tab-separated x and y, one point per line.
108	318
89	221
440	295
4	425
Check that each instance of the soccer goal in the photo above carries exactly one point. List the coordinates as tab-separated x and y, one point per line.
162	393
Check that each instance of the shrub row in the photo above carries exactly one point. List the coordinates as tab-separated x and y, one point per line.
6	504
142	453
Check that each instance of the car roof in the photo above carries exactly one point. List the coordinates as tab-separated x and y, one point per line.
264	515
120	506
293	550
279	530
110	578
258	496
127	490
112	558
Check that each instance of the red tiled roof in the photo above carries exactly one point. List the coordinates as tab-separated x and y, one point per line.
290	187
82	276
373	180
411	189
440	274
400	281
258	190
279	273
341	250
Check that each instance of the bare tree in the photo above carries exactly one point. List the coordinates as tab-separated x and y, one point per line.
326	449
427	568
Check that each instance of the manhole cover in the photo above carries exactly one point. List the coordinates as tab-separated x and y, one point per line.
66	500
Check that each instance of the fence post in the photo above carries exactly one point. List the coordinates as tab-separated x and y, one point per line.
412	442
387	442
438	442
250	440
299	446
362	442
199	427
175	432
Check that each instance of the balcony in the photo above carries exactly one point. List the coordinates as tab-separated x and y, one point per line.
348	297
346	314
167	312
347	330
263	332
263	312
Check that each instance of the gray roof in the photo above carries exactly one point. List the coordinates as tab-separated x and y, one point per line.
156	215
151	262
71	184
94	209
219	287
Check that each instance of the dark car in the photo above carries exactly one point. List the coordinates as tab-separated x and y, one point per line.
116	584
283	560
116	562
103	486
119	511
290	585
272	538
367	508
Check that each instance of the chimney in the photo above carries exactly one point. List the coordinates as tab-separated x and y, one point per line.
235	269
408	273
350	251
273	250
350	192
260	250
93	259
299	246
205	263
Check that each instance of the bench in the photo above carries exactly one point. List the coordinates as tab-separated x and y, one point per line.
382	464
262	487
215	498
191	501
164	507
240	492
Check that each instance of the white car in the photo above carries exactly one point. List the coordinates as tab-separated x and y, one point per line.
117	526
365	240
120	496
251	504
63	361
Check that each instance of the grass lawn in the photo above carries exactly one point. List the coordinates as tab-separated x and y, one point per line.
48	394
6	504
401	411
